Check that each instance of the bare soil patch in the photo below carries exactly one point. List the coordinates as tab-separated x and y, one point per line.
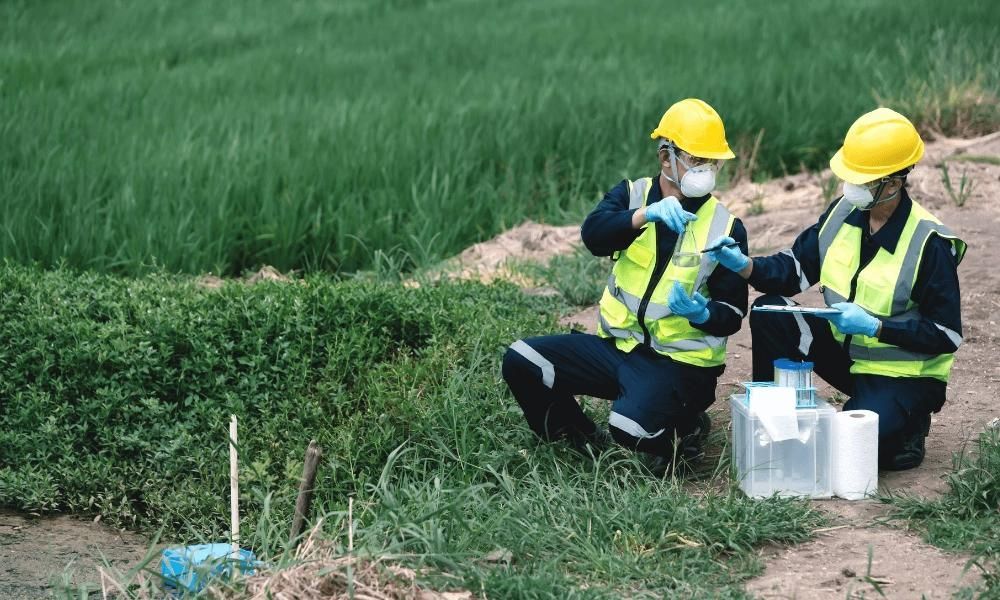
39	554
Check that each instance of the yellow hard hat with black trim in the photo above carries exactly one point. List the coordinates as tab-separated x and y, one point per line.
694	127
878	144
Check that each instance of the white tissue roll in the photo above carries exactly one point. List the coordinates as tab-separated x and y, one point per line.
855	454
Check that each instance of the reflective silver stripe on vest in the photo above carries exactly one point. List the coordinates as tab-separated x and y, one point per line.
637	193
630	427
718	228
653	310
617	332
548	369
887	354
911	262
833	224
709	342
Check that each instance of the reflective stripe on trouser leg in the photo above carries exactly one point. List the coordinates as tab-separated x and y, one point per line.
548	369
805	334
631	427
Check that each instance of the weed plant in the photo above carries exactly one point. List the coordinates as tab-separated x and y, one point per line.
115	395
217	136
579	277
967	517
959	194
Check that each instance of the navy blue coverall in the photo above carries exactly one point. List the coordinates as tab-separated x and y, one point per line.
654	397
903	404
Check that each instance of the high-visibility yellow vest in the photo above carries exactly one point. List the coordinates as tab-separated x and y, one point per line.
883	288
634	305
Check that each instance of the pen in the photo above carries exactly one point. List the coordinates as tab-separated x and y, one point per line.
721	246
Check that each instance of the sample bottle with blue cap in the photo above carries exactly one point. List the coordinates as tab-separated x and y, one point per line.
798	375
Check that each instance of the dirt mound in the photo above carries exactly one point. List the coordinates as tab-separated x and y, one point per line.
528	242
778	208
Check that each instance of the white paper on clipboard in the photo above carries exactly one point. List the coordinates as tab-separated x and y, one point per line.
802	310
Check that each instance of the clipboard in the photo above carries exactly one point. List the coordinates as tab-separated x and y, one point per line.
800	310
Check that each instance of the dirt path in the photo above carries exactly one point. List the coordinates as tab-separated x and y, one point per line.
835	563
41	555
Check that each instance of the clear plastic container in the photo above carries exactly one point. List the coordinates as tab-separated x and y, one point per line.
798	375
797	467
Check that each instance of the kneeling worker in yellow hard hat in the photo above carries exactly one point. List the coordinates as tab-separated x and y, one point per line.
664	316
891	268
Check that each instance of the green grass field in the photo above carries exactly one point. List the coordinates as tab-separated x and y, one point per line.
117	392
217	136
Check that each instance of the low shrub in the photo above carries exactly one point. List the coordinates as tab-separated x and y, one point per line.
115	393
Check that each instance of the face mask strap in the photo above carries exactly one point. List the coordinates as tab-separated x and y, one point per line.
673	163
875	197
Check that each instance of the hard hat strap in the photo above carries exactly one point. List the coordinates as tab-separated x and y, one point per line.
881	186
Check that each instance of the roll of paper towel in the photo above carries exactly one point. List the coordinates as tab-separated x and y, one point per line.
855	454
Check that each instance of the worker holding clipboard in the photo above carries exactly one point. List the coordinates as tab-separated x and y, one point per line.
888	270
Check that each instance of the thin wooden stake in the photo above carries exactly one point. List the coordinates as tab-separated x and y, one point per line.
304	500
234	489
350	547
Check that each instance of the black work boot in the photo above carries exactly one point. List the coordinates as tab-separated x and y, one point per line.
598	442
689	451
910	452
692	445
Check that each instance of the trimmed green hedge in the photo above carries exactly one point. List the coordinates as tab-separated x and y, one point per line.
115	394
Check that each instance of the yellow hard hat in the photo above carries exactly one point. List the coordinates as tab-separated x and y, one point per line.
879	143
695	128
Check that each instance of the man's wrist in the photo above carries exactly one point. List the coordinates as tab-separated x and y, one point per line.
639	218
747	269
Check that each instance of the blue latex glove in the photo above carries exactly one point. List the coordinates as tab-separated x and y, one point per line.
669	212
730	257
693	308
853	320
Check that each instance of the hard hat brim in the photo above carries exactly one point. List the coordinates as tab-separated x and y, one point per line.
724	153
856	176
841	170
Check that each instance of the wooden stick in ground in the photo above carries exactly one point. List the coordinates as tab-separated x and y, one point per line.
350	547
234	489
313	454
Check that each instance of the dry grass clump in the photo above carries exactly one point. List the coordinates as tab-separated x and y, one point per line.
319	572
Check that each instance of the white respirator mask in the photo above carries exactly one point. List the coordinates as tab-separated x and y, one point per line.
862	198
699	180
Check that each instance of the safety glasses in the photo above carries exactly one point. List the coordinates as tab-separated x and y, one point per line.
691	160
